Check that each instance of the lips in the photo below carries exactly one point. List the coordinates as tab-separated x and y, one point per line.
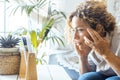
77	43
81	45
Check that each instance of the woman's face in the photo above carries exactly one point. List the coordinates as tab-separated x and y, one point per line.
80	31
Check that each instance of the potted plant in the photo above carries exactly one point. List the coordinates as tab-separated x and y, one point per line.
51	21
9	55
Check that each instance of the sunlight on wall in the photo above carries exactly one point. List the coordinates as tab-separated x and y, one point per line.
16	21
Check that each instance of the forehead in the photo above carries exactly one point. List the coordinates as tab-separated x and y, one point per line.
79	23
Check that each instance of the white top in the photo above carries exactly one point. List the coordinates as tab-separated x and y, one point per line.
100	63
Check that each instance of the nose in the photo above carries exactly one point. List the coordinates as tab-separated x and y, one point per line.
76	35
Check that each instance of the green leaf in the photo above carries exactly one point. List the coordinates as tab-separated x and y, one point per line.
33	37
30	9
14	10
63	15
41	61
53	40
61	41
41	3
23	8
57	41
47	28
37	61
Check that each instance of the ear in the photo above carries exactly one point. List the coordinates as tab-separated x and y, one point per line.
100	30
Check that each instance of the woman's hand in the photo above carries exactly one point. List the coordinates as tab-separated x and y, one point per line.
82	51
99	45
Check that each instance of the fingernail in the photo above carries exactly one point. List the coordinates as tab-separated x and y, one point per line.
86	40
85	37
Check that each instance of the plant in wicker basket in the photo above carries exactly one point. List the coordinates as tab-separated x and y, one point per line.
9	55
9	41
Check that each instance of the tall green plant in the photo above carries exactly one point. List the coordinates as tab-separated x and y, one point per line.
54	17
49	22
38	36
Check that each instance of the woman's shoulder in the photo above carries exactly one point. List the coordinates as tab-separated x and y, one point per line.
115	42
116	35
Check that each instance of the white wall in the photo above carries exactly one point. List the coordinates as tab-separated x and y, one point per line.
67	5
113	7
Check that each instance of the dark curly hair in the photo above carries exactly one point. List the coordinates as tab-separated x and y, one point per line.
94	13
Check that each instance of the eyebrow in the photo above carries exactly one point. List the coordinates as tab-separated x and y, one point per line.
79	27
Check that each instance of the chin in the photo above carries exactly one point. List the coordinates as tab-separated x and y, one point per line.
81	48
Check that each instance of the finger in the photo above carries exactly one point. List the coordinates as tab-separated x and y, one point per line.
89	42
76	46
97	35
92	34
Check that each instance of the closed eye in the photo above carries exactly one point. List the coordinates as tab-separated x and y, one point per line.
80	30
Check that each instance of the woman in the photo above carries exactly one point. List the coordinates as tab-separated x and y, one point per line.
96	41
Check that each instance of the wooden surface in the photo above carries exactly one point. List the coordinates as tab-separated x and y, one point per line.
44	72
28	69
31	71
22	67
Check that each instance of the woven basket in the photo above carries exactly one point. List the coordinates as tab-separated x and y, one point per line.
9	62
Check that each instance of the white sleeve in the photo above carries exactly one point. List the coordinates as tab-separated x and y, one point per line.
92	64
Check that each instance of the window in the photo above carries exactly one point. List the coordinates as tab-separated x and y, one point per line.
8	21
2	17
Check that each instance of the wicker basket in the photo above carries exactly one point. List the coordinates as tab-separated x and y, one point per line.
9	62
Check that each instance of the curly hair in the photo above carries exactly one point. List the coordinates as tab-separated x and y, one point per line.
94	13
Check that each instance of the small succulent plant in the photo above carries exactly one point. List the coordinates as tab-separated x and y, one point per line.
9	41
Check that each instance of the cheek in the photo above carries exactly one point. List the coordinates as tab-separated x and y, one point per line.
85	33
82	35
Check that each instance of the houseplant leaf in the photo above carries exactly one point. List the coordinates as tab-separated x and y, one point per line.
33	37
47	28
